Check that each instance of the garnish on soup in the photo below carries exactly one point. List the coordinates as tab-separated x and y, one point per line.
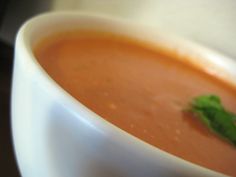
209	109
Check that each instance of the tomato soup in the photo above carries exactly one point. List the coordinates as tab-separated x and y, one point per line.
142	91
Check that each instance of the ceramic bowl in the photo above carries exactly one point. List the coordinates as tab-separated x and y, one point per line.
57	136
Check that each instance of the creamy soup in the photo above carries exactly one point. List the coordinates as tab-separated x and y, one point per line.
140	90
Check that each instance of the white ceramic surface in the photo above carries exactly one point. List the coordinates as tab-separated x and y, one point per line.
56	136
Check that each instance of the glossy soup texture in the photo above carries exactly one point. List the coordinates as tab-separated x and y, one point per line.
141	91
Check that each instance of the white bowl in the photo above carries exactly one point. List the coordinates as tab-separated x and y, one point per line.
56	136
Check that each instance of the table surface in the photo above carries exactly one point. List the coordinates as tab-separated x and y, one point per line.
7	158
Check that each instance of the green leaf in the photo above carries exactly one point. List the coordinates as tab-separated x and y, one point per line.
210	111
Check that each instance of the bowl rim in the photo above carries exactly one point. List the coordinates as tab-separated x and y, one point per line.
23	45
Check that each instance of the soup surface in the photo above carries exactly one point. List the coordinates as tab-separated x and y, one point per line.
141	91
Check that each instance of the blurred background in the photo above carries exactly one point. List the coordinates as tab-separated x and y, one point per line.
209	22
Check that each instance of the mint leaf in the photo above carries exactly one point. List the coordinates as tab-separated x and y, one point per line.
209	109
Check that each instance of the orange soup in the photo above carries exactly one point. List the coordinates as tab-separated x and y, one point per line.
142	91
